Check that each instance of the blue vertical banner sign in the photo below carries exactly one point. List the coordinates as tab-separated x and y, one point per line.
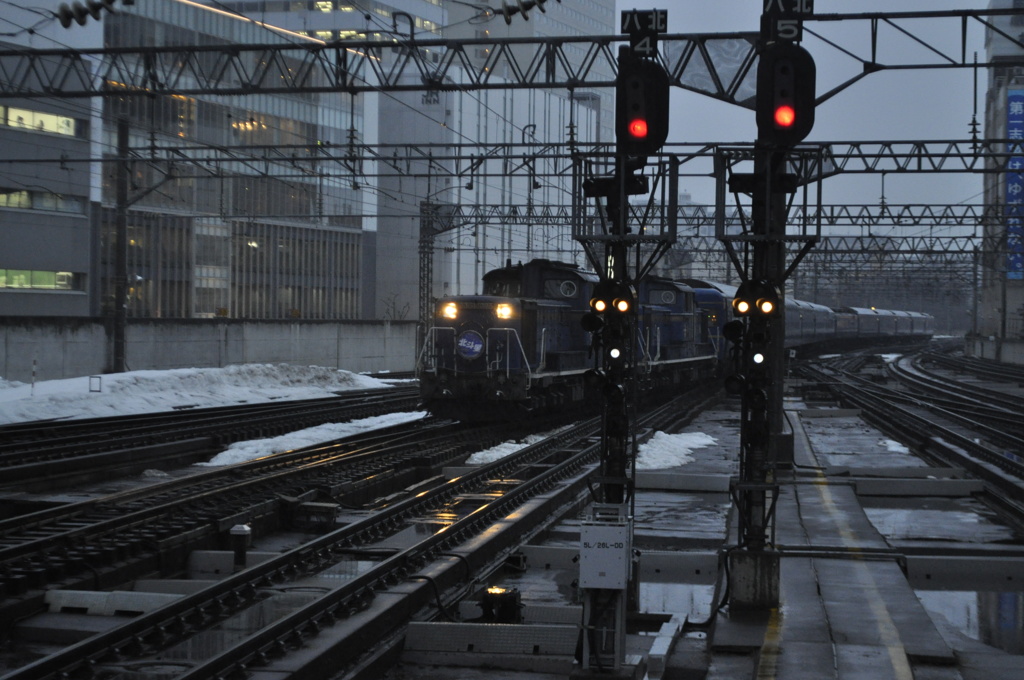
1015	185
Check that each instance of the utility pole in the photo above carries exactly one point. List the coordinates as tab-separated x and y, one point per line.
121	248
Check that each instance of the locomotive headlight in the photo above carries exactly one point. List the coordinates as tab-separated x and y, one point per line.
450	311
599	305
503	311
758	358
741	306
621	305
615	352
766	306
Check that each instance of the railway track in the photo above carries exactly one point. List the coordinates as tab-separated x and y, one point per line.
983	368
997	415
120	537
939	432
51	454
483	515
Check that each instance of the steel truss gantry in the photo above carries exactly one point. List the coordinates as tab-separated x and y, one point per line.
552	162
719	65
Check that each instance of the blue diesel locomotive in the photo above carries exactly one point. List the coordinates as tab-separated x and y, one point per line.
520	347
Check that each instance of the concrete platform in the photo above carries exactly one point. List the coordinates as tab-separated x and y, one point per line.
860	524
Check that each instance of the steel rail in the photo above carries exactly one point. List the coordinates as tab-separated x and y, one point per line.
175	621
924	433
27	437
79	457
985	368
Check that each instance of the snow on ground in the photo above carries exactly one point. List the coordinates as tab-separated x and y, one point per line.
893	446
670	450
660	452
150	391
240	452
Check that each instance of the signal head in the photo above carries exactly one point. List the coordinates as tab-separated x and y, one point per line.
756	297
785	98
641	105
592	322
638	128
785	116
734	331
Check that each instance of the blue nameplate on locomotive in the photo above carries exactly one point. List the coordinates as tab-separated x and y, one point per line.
471	345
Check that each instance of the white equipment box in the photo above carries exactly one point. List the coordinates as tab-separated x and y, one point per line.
605	552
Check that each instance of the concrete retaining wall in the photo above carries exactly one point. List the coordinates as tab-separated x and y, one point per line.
66	348
1010	351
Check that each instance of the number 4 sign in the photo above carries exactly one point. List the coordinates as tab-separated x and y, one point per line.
643	27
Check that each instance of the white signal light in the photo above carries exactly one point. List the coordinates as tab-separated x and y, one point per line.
450	311
615	353
758	358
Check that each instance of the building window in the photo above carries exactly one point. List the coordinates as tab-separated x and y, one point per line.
41	200
11	198
40	280
37	121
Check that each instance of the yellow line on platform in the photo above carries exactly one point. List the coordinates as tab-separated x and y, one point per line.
889	635
767	663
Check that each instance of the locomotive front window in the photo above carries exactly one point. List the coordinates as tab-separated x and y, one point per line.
509	288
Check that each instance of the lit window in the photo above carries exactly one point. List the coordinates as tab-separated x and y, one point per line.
40	280
324	5
15	199
38	121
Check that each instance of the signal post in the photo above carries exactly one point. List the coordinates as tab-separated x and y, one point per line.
785	105
607	569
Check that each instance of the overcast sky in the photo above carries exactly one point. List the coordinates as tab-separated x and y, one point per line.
893	105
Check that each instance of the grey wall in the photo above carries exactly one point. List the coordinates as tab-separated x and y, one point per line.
67	348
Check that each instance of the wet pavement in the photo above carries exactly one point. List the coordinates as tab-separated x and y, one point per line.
869	587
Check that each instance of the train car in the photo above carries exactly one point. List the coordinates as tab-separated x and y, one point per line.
846	324
672	324
715	302
505	346
886	326
520	346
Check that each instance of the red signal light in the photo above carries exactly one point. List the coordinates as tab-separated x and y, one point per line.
785	116
638	128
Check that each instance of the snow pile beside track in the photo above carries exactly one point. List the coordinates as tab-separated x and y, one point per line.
150	391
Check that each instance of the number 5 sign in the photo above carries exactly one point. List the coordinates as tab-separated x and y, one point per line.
783	19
